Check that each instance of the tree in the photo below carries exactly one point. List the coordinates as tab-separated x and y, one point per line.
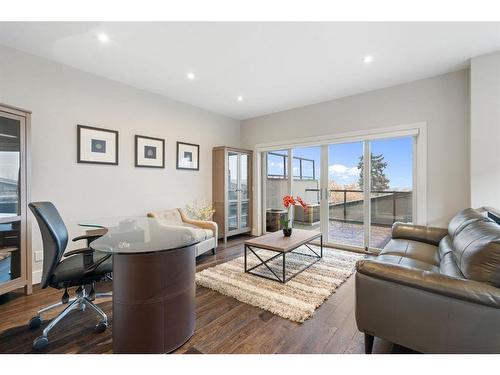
379	180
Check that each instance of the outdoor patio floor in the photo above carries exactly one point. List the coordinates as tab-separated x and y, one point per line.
347	233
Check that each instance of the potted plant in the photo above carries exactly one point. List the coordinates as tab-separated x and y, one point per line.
286	221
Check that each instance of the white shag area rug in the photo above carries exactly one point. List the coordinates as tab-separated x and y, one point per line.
299	297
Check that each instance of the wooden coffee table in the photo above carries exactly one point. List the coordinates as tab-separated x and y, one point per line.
282	245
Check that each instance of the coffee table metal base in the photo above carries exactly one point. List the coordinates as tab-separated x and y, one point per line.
281	278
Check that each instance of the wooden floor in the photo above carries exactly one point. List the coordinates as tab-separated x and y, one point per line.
223	324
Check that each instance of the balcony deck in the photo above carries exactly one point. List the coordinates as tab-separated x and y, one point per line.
353	233
349	233
345	211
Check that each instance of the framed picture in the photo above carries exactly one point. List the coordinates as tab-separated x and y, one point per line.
149	152
188	156
96	145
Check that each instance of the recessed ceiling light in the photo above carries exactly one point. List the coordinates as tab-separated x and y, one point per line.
103	38
368	59
240	98
190	76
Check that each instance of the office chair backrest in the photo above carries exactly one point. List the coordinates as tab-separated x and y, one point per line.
54	236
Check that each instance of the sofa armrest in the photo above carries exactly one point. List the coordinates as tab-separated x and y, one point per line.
430	235
463	289
205	224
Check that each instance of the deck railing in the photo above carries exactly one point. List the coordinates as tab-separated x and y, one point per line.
388	206
301	170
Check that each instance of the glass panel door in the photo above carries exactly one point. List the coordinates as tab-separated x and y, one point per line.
275	188
353	207
232	191
11	226
346	204
307	185
391	191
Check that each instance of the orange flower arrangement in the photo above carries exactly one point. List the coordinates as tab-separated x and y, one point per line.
288	201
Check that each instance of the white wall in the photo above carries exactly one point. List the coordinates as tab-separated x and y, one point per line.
485	130
61	97
442	102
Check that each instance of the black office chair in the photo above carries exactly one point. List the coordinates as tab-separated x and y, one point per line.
79	268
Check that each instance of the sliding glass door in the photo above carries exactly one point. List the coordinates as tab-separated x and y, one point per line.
306	168
276	186
304	181
346	199
355	191
370	187
391	188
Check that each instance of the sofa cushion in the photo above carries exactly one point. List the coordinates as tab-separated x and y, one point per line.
462	219
476	251
172	216
407	262
200	234
416	250
209	233
447	265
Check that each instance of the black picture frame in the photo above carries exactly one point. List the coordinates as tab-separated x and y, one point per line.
79	158
137	164
197	153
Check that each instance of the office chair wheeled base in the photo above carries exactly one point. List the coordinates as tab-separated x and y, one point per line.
80	302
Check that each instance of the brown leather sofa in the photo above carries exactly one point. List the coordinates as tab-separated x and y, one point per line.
434	290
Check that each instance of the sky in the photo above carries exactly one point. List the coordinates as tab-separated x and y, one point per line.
343	161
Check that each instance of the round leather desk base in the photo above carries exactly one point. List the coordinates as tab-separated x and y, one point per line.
153	300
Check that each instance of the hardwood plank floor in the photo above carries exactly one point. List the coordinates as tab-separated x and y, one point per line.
223	324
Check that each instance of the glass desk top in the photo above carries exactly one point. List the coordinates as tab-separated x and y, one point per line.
131	235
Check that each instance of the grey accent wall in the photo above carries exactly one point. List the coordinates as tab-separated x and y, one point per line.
442	101
61	97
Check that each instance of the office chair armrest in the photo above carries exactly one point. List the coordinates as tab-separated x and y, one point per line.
85	250
82	237
91	234
93	267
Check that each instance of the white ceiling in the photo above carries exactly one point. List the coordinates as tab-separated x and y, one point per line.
274	66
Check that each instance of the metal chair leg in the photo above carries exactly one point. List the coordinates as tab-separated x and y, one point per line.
104	295
103	324
48	308
58	318
97	309
80	303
